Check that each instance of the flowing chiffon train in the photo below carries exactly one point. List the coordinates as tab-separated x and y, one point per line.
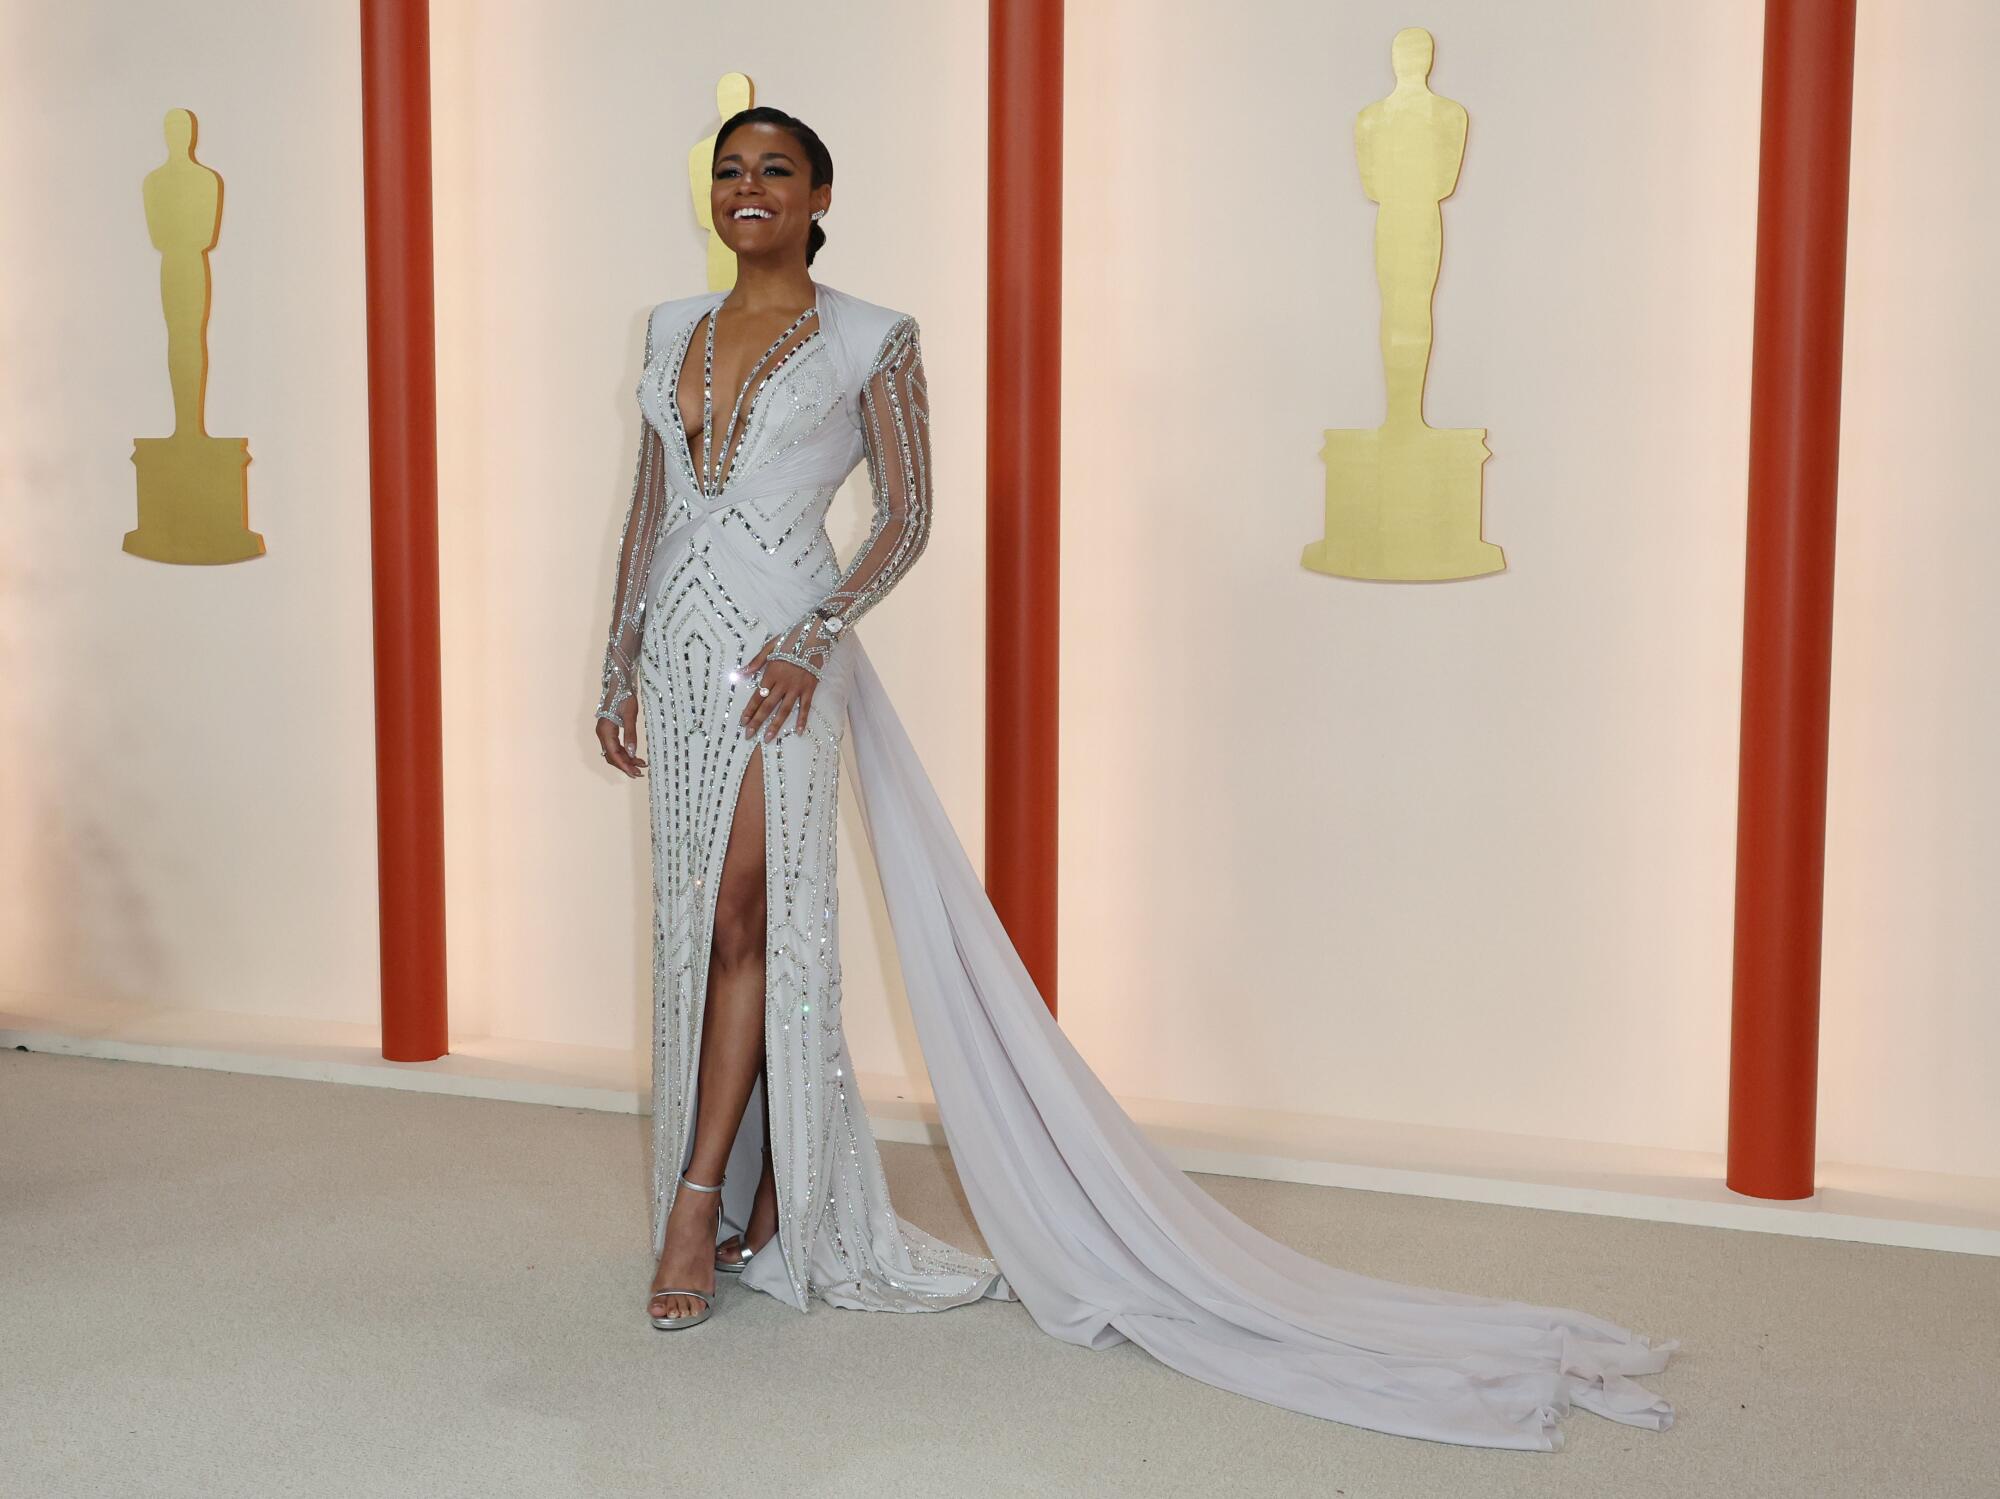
1104	1239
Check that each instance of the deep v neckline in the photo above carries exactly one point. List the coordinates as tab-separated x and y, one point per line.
735	430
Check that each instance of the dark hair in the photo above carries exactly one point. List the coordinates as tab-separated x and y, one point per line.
817	156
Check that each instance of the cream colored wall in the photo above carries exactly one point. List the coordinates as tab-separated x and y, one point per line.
187	791
1455	854
1464	854
1910	1017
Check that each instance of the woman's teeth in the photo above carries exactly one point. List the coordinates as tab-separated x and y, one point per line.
752	213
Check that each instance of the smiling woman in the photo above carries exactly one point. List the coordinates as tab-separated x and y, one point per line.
733	634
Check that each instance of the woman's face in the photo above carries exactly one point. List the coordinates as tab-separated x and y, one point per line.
760	196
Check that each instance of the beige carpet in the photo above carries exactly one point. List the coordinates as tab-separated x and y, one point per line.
225	1285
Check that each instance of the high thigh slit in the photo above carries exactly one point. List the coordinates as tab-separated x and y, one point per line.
740	877
707	961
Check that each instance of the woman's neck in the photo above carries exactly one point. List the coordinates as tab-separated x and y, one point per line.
761	288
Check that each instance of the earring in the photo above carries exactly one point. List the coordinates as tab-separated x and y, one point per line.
819	213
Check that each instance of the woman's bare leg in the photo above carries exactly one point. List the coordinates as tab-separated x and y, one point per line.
732	1048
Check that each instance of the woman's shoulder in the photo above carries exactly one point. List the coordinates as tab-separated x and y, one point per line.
666	317
868	318
868	330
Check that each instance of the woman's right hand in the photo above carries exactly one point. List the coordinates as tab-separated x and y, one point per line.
619	740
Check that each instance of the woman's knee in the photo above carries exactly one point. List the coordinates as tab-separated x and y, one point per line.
739	925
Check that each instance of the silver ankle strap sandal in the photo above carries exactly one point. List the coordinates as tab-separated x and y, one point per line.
707	1301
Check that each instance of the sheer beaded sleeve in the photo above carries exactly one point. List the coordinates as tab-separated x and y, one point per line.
635	559
895	429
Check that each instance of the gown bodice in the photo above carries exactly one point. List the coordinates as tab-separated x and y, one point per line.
852	388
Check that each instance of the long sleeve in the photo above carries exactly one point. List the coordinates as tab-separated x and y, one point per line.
635	559
895	430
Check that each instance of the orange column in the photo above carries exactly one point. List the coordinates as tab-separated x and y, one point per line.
1023	471
402	475
1788	594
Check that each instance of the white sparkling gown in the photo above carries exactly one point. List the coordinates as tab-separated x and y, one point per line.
1091	1227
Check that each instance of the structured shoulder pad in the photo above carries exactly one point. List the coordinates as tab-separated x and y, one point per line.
861	332
670	316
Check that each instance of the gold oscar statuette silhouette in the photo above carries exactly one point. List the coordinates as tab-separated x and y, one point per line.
1403	500
193	489
733	91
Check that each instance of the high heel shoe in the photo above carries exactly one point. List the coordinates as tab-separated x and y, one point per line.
706	1299
732	1262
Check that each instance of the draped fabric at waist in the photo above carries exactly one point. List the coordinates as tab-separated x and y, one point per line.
776	594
